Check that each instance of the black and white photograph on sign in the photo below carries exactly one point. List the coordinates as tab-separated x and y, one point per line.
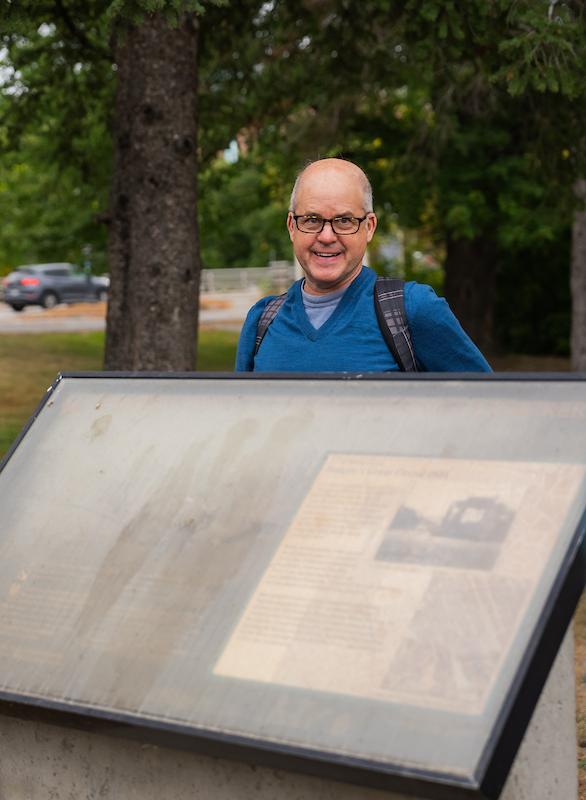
469	535
403	579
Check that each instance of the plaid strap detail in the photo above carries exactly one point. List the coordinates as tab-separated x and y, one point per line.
390	310
269	313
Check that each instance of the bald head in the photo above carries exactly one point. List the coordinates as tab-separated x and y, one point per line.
333	193
333	169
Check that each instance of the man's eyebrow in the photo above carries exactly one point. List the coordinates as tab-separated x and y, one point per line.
337	214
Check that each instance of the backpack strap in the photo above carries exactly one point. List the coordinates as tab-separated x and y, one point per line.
269	313
389	304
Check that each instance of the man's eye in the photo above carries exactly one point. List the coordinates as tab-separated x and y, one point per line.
311	218
344	220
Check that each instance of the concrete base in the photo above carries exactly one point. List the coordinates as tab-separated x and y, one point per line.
546	767
45	762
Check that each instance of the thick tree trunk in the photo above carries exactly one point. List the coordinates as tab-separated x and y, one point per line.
578	282
154	255
470	271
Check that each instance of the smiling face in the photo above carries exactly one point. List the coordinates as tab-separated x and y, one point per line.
330	188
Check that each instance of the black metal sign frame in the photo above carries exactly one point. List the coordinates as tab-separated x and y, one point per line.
513	718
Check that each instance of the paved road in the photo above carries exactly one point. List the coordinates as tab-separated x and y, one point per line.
225	311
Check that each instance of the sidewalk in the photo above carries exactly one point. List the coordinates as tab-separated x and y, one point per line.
221	310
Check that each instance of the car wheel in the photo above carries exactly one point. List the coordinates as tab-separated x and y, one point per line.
49	300
103	296
17	306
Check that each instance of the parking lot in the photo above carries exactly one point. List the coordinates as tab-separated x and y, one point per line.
220	310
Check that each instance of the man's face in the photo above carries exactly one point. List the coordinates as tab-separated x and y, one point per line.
330	188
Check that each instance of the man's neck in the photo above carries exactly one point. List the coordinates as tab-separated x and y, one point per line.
313	289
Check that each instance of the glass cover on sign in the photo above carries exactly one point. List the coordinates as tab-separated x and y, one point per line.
351	567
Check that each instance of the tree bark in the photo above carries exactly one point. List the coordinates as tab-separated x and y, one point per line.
578	281
470	271
153	238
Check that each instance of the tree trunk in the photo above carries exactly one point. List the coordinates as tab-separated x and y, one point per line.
578	281
470	271
153	237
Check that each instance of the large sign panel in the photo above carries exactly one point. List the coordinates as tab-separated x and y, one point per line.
356	578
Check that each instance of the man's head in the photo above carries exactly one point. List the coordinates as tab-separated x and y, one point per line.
331	188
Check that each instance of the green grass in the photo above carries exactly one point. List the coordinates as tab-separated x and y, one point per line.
29	364
216	351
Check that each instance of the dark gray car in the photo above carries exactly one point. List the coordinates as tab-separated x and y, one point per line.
49	284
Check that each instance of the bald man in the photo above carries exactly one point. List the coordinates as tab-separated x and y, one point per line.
327	321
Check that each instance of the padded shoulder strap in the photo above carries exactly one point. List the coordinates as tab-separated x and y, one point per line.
389	304
269	313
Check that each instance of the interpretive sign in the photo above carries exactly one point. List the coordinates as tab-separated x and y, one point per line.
364	579
404	579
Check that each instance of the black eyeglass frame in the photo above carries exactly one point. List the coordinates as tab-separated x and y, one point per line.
360	220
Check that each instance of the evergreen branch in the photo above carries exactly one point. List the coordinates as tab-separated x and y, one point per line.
72	26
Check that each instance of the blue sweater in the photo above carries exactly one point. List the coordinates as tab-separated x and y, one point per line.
351	340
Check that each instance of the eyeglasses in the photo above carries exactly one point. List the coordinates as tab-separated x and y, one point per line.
344	226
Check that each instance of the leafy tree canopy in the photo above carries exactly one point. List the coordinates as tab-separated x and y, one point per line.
242	214
56	108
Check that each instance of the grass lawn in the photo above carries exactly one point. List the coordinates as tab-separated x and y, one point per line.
29	363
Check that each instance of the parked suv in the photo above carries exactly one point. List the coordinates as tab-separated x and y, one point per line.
48	284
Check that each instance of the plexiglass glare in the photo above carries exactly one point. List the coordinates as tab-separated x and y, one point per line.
354	567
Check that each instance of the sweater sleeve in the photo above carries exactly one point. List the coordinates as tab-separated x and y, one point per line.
247	340
440	343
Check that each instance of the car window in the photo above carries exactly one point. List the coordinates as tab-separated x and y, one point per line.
56	273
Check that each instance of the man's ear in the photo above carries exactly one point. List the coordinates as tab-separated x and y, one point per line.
290	224
371	223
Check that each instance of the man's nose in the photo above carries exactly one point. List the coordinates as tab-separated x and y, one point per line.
327	234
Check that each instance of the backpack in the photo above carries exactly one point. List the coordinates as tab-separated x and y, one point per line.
389	305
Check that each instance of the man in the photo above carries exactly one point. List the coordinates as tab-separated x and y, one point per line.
328	321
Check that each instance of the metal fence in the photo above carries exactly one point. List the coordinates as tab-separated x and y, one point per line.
280	274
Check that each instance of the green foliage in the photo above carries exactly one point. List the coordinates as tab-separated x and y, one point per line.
474	136
533	304
17	13
242	213
544	49
56	106
525	45
47	213
135	10
457	138
55	146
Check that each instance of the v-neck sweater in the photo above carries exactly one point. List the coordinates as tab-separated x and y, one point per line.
351	339
320	307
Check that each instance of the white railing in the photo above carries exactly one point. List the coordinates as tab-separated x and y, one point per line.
279	274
